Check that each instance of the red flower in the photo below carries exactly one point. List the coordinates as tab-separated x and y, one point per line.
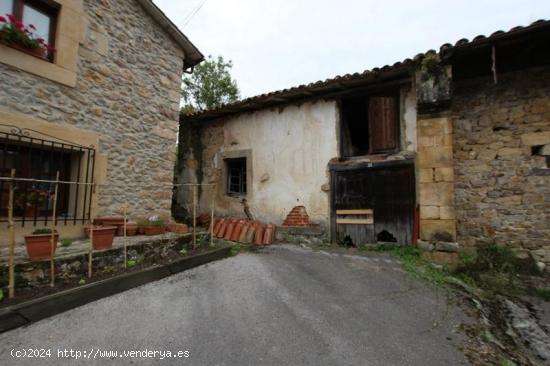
40	40
32	27
2	19
18	24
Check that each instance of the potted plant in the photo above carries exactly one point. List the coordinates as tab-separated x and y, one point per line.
15	34
30	202
39	244
103	236
153	226
131	228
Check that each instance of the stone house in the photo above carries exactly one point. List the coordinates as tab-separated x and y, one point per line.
104	108
449	146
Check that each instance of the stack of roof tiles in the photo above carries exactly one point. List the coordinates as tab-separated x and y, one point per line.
244	231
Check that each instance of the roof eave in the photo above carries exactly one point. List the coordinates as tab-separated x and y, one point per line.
192	54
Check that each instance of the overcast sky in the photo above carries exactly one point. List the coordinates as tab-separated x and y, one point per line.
283	43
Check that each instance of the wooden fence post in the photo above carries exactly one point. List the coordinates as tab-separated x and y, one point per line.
91	248
11	241
53	242
212	215
194	217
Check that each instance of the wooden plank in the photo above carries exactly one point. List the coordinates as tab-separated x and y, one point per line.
367	211
355	221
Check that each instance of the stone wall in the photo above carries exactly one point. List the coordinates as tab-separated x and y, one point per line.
127	91
502	180
436	178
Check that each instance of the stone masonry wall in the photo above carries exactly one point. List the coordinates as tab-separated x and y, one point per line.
128	91
502	180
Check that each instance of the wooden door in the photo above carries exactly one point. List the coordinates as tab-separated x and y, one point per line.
389	191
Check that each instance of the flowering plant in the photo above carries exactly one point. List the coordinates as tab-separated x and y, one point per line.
14	32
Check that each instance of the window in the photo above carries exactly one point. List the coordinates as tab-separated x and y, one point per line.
40	13
369	125
236	176
40	159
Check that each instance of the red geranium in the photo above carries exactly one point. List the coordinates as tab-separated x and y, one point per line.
2	19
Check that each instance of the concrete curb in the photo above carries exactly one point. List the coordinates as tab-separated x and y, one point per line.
34	310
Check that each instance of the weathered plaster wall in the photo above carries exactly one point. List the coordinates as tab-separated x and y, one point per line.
127	92
502	180
289	151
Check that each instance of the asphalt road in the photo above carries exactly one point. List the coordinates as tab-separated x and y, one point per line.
284	306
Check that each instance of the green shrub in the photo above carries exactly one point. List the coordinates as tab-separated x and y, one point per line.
131	263
66	243
42	231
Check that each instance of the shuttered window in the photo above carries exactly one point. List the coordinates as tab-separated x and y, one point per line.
383	124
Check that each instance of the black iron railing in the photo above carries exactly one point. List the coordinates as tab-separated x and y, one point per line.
39	156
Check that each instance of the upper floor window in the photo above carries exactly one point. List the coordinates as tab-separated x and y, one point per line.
370	125
39	17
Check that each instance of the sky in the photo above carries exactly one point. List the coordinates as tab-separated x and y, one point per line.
279	44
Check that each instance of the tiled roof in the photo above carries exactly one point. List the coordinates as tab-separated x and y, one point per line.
341	82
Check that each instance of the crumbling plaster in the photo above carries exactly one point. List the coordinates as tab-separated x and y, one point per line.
289	148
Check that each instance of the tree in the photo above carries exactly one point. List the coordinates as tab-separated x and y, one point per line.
210	85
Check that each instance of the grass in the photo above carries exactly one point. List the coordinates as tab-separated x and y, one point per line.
493	269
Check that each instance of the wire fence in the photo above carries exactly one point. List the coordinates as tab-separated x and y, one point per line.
53	192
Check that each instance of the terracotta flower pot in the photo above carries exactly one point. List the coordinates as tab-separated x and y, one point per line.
153	230
103	236
131	229
39	246
117	221
177	228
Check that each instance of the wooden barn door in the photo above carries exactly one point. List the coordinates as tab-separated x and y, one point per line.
388	191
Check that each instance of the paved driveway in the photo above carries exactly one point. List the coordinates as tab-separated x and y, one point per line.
284	306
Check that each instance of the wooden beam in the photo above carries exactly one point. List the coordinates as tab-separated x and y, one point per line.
355	221
367	211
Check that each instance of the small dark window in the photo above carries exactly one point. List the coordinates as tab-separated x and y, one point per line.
42	14
369	125
236	176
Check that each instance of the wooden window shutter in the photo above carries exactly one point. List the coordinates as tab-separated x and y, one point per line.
382	124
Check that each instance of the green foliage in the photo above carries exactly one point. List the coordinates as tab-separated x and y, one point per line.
66	243
131	263
495	258
1	294
542	293
235	249
156	222
82	282
210	85
183	251
42	231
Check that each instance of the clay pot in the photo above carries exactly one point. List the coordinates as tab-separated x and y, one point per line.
103	236
229	230
117	221
131	228
259	237
177	228
39	247
153	230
